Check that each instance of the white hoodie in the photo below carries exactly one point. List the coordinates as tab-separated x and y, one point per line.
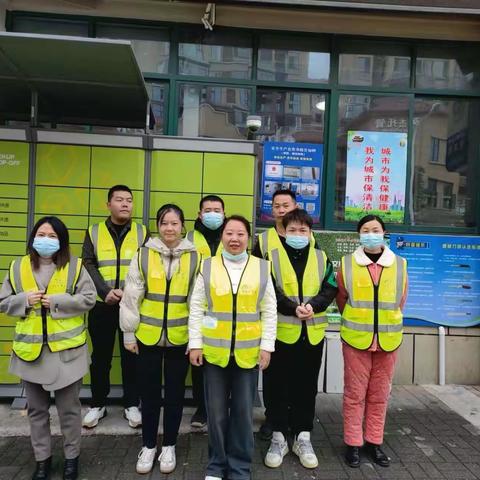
134	290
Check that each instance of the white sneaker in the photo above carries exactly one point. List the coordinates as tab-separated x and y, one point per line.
277	450
146	457
93	416
133	415
167	459
302	446
209	477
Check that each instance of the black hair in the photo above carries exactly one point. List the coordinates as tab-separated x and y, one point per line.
370	218
297	216
62	257
118	188
285	191
240	219
211	198
170	207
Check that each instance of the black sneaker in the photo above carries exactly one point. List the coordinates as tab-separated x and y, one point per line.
352	456
265	432
199	419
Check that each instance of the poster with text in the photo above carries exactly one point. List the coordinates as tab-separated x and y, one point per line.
294	166
443	276
376	175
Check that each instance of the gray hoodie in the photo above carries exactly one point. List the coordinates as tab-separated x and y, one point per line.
135	287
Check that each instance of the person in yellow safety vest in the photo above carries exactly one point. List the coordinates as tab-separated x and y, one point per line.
232	325
206	236
154	318
305	286
372	290
47	293
283	201
107	251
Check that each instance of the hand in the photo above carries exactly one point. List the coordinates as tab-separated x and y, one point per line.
264	359
45	301
118	292
303	312
34	297
112	298
131	347
196	357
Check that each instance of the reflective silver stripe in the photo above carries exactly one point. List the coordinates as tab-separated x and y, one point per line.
22	337
74	332
113	263
189	236
111	283
177	322
193	268
390	328
160	297
400	280
264	243
321	270
17	278
288	320
347	262
140	238
207	274
121	284
72	274
241	317
264	274
143	254
94	238
239	344
361	327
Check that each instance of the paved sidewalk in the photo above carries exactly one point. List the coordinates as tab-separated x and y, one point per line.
425	439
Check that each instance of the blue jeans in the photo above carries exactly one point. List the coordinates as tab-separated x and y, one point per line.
229	397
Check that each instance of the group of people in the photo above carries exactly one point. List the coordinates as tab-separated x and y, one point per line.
202	299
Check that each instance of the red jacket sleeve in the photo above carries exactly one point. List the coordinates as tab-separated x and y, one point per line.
342	294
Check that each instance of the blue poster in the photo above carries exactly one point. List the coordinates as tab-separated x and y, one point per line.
444	278
294	166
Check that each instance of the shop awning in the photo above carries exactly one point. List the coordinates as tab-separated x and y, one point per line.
467	7
71	80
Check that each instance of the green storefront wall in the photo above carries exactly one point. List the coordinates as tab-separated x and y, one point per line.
69	176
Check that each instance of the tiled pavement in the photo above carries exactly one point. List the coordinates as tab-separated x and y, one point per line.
424	438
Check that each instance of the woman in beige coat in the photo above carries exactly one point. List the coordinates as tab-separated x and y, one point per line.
47	292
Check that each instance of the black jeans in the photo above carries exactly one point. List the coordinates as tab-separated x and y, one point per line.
102	327
175	368
230	423
197	388
293	379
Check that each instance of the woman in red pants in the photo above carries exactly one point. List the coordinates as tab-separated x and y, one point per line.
372	288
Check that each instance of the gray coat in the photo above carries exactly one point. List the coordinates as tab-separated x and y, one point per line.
53	370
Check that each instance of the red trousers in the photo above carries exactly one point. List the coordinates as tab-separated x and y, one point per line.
367	383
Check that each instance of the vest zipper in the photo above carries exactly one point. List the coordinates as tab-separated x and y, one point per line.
375	301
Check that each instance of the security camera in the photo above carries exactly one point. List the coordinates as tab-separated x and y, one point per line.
254	122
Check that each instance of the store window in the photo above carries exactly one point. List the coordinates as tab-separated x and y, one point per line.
278	61
151	45
456	68
157	93
445	152
214	54
213	111
50	26
291	116
369	64
371	157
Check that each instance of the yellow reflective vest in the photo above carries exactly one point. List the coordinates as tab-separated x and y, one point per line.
289	328
370	309
201	244
113	265
60	334
164	305
270	240
232	323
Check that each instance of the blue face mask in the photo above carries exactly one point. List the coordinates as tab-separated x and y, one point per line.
235	258
45	246
212	220
297	241
371	240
